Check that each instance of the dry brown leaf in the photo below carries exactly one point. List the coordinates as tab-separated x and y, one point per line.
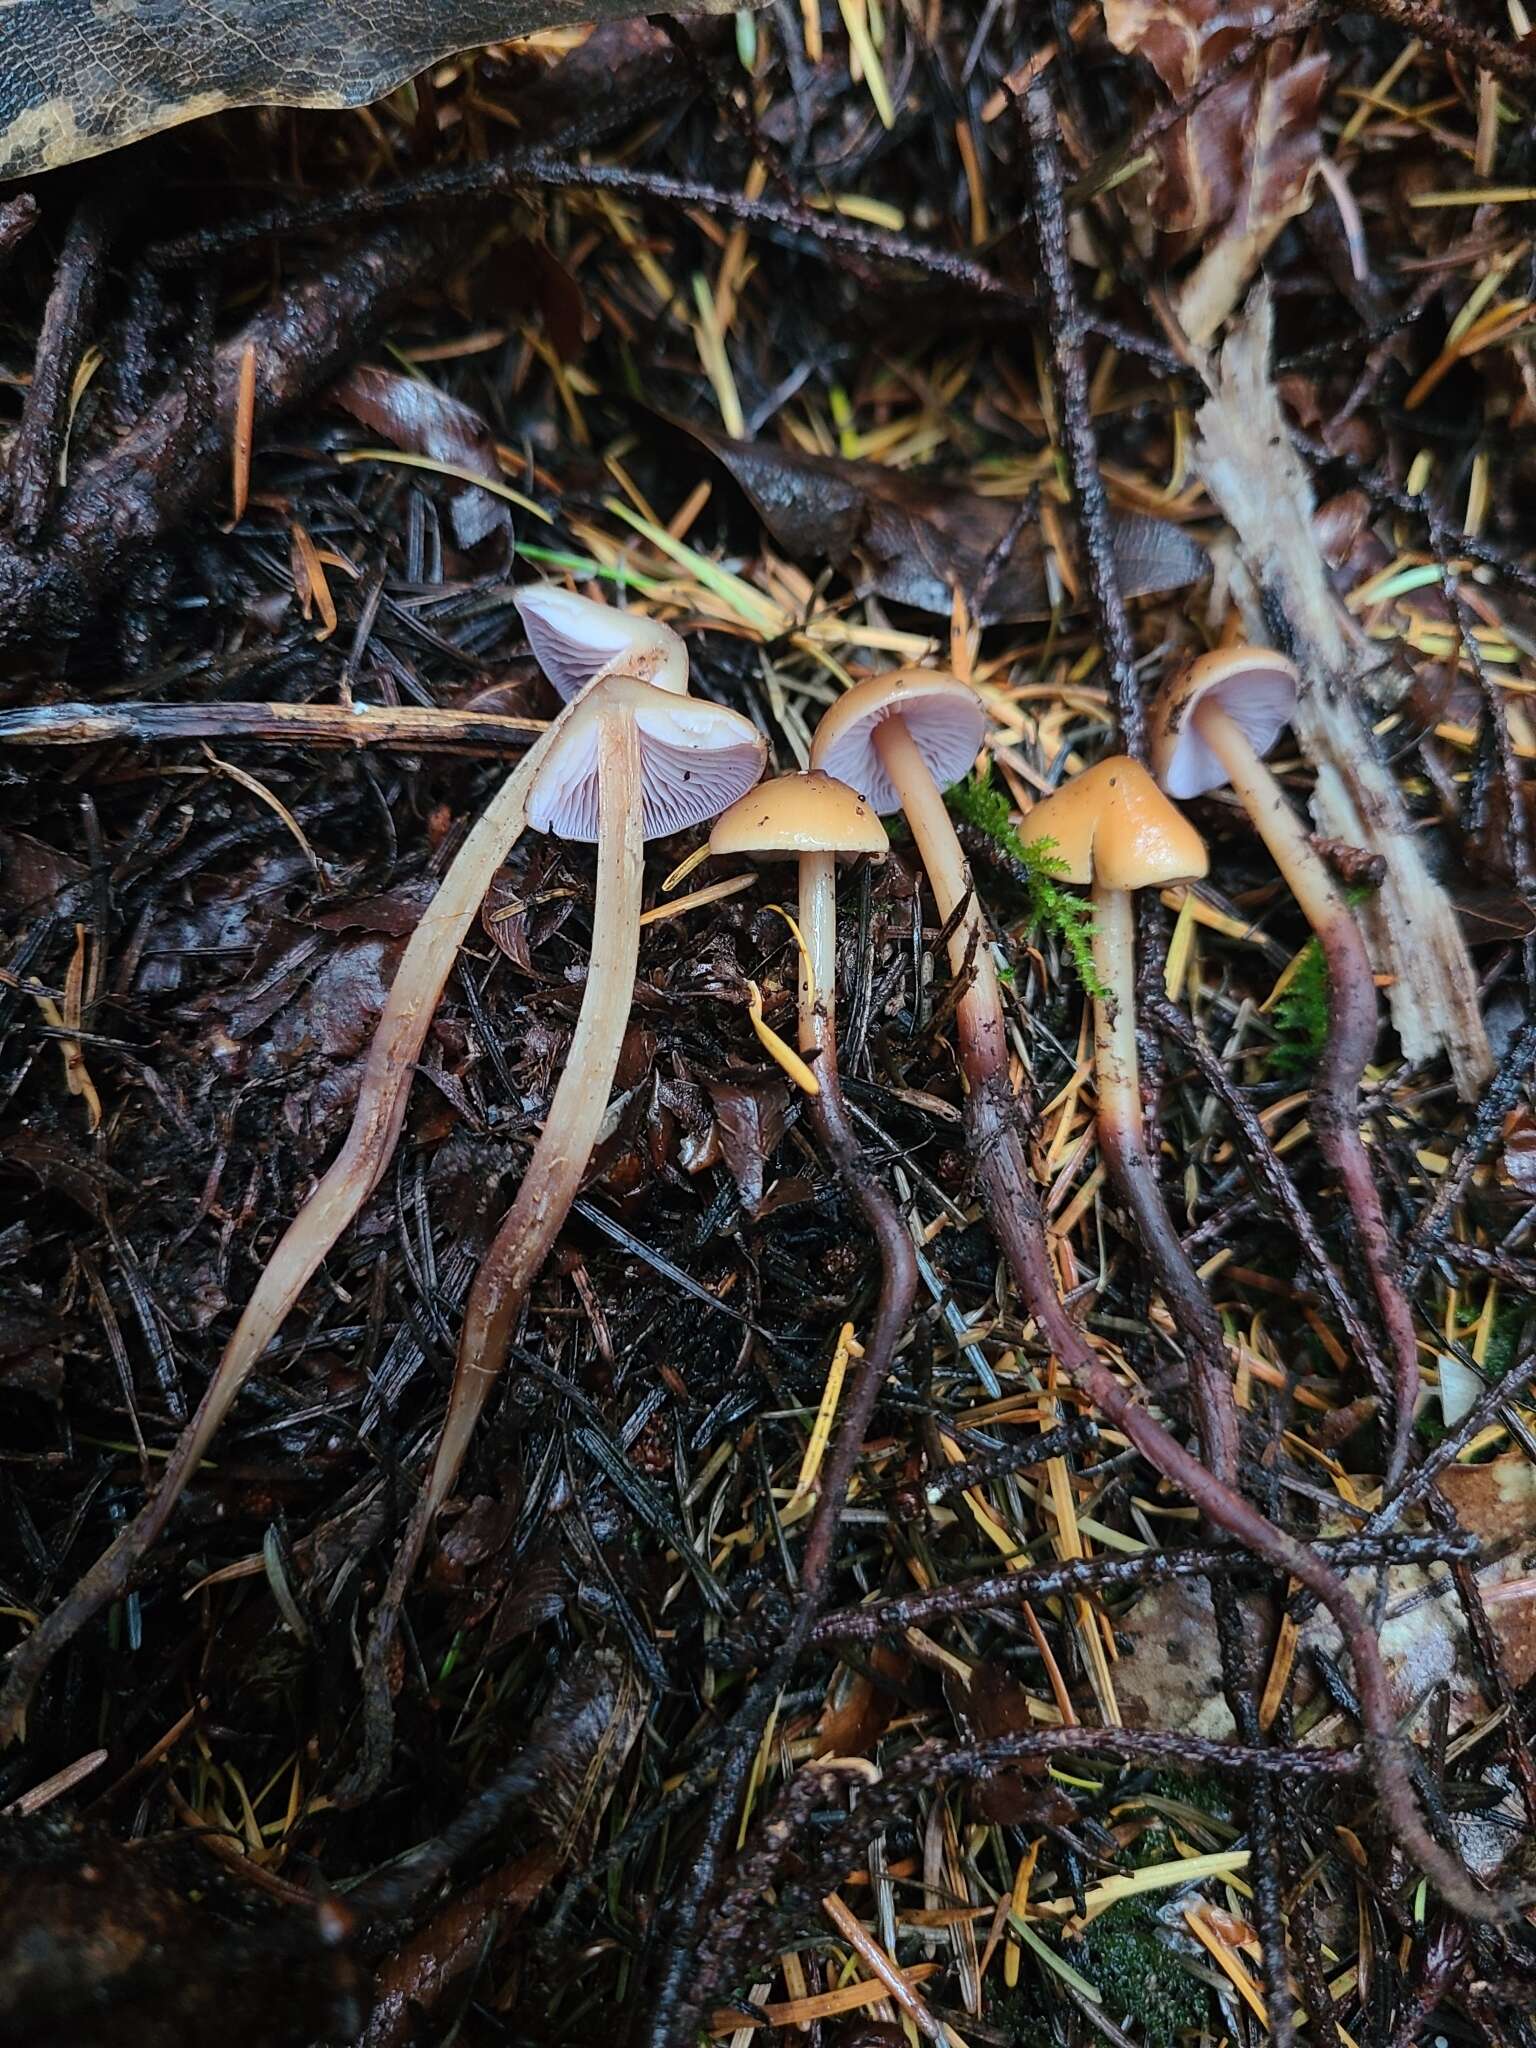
1236	169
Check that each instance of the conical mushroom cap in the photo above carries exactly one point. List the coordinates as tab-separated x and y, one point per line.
1257	689
947	722
575	640
1112	825
810	813
695	759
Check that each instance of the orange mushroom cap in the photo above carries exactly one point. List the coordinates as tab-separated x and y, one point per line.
809	813
1112	825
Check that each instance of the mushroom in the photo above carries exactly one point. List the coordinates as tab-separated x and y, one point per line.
632	762
1113	828
817	818
1212	724
902	739
576	640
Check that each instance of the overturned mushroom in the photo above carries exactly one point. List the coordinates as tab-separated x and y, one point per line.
632	763
1113	827
817	818
1212	725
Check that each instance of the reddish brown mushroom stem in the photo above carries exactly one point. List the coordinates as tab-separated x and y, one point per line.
898	1263
1352	1028
1123	1147
980	1013
1013	1207
1018	1222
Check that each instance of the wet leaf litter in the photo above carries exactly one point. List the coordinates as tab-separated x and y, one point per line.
976	1533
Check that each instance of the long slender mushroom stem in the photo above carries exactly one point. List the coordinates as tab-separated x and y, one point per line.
1013	1206
980	1013
898	1262
549	1187
898	1284
342	1190
1352	1028
1123	1145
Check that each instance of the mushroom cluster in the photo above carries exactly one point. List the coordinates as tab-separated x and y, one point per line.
635	756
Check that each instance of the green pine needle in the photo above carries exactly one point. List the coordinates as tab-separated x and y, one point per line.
1067	917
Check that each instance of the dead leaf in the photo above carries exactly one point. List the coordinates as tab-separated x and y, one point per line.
750	1116
80	77
1236	169
585	1733
419	418
994	1704
918	538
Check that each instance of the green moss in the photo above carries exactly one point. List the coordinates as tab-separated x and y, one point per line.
1300	1017
1053	909
1139	1977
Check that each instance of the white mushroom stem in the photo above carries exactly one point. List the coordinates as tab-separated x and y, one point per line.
818	962
979	1018
550	1186
1123	1144
340	1193
1352	1027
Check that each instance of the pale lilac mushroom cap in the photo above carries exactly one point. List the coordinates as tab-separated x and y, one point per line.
946	719
575	640
1254	686
696	759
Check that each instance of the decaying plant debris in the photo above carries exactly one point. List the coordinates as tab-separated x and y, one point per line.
1042	346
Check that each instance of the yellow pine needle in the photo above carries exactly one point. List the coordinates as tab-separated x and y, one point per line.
1228	1960
826	1413
685	868
783	1055
819	2005
749	605
1152	1877
449	469
89	364
1180	947
805	957
866	58
710	343
697	899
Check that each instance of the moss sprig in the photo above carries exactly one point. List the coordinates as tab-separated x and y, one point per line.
1067	917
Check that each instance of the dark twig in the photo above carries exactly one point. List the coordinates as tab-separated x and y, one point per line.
1436	25
1103	1574
1426	1236
1067	329
1269	1170
33	479
18	217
